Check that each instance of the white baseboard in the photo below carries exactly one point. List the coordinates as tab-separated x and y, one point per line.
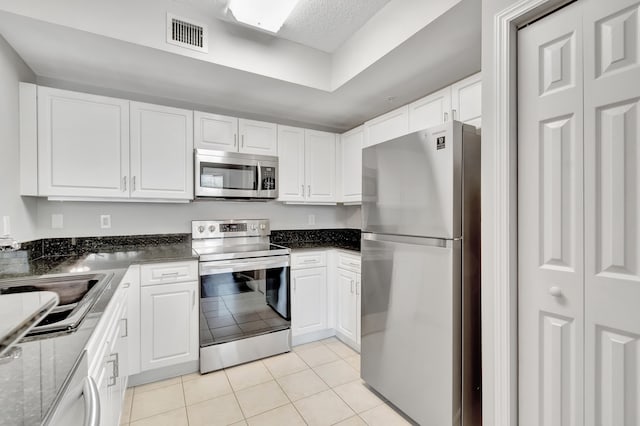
163	373
312	337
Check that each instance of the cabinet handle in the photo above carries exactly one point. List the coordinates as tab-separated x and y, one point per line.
358	287
294	284
116	373
242	140
309	261
354	264
169	274
133	183
302	190
126	285
126	327
308	190
193	299
235	140
91	402
124	184
453	114
446	116
351	286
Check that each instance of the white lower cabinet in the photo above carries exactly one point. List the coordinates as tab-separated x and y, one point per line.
168	324
308	301
349	294
108	358
346	321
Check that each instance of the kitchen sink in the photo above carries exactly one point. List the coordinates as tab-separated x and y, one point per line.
77	294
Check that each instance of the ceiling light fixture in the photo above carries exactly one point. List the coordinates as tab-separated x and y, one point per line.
264	15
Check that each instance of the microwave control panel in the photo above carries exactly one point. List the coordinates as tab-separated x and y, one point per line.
268	179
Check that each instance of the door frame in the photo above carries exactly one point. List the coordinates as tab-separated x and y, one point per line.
500	218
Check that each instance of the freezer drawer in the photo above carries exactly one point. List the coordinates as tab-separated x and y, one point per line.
411	324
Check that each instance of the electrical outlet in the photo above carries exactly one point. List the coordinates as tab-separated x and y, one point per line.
312	219
105	221
57	221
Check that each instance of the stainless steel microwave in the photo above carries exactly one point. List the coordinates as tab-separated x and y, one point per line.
222	174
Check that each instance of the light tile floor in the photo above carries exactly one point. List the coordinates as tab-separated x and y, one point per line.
315	384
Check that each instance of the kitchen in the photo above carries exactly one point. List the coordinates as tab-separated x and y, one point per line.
233	206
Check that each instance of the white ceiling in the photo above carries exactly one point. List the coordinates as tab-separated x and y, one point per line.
327	24
70	56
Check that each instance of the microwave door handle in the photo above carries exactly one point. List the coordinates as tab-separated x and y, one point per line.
259	178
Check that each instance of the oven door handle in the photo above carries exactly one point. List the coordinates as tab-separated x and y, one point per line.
226	266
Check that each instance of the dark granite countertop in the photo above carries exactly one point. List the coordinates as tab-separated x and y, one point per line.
347	239
30	383
62	259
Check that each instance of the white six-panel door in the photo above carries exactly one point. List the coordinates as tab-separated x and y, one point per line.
579	214
612	212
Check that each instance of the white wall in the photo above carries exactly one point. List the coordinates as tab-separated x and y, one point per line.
83	218
21	211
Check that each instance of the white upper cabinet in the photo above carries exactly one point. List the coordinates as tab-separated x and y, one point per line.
212	131
161	152
466	100
83	144
431	110
307	161
258	137
388	126
320	166
223	133
291	163
351	165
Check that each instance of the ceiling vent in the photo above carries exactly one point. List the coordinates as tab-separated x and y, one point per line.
186	33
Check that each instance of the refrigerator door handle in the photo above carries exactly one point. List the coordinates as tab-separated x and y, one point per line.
420	241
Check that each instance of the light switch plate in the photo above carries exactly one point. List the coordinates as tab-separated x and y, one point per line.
312	219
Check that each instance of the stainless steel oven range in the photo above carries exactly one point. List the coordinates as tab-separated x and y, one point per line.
245	308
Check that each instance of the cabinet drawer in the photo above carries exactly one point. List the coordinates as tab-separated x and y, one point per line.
309	259
349	262
161	273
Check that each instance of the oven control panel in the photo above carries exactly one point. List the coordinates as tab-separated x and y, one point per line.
209	229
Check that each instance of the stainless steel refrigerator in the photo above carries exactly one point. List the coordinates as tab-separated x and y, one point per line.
421	274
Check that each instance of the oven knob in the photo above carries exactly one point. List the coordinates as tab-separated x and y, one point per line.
253	226
263	226
201	229
212	228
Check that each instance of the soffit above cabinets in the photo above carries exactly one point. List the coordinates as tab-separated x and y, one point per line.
120	47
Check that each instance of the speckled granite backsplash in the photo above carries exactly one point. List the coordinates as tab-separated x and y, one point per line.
302	238
83	245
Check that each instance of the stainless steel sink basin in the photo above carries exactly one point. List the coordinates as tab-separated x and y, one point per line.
77	294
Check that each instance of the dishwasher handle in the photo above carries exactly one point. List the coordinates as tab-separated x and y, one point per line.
91	402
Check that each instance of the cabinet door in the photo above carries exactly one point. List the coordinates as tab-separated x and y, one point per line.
430	111
212	131
466	100
346	319
83	144
169	325
387	126
309	301
291	163
320	166
352	142
258	137
161	152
